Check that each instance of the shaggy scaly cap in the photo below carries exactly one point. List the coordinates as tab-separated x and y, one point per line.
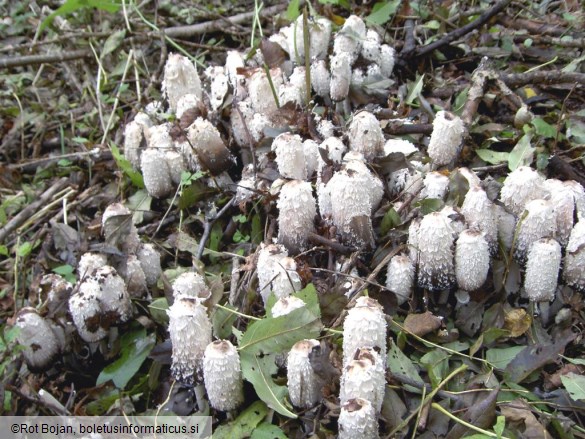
297	211
286	305
365	135
446	138
150	262
364	377
542	270
41	345
521	186
472	260
480	213
320	33
349	39
358	419
276	272
260	92
320	78
400	277
100	302
435	243
156	173
435	185
537	222
290	156
364	327
89	263
222	375
340	77
208	146
304	386
180	78
191	284
190	332
506	226
574	274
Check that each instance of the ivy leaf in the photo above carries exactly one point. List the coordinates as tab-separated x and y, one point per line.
522	154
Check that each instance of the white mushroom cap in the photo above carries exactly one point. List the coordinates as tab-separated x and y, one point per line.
521	186
276	272
192	285
222	375
89	263
320	33
176	163
387	60
436	270
286	305
233	62
320	78
304	386
190	332
538	222
40	342
325	127
150	262
371	46
573	273
295	90
133	140
542	270
209	147
260	91
159	136
364	327
472	260
435	185
446	138
297	211
121	225
180	78
131	271
312	156
290	156
358	419
400	277
218	86
349	39
100	302
365	135
156	173
340	66
187	102
399	145
413	238
563	197
57	292
480	213
364	377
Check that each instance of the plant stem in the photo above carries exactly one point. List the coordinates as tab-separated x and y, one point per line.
466	424
233	311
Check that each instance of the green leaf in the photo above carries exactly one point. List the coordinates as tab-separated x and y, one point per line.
400	364
71	6
126	167
268	431
135	347
3	250
429	205
24	249
575	385
258	370
382	12
243	426
543	128
579	361
500	357
414	89
113	42
158	310
492	157
293	10
67	271
222	321
276	335
391	219
437	365
139	203
522	154
257	229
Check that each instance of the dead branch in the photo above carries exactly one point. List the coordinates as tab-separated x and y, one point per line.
220	24
46	58
29	210
457	33
543	77
534	27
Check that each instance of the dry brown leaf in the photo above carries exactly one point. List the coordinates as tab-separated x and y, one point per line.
519	416
517	321
422	324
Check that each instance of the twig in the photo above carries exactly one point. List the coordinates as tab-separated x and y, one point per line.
29	210
320	240
531	26
96	154
457	33
220	24
409	42
209	224
479	80
403	379
46	58
547	77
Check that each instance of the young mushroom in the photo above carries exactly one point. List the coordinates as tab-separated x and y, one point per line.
446	138
304	385
364	327
222	375
364	377
297	211
41	345
436	270
573	272
472	260
358	419
400	277
542	270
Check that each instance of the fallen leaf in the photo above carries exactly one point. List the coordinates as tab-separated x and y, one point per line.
422	324
520	417
517	321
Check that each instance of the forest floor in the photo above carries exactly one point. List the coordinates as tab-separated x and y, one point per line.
72	77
